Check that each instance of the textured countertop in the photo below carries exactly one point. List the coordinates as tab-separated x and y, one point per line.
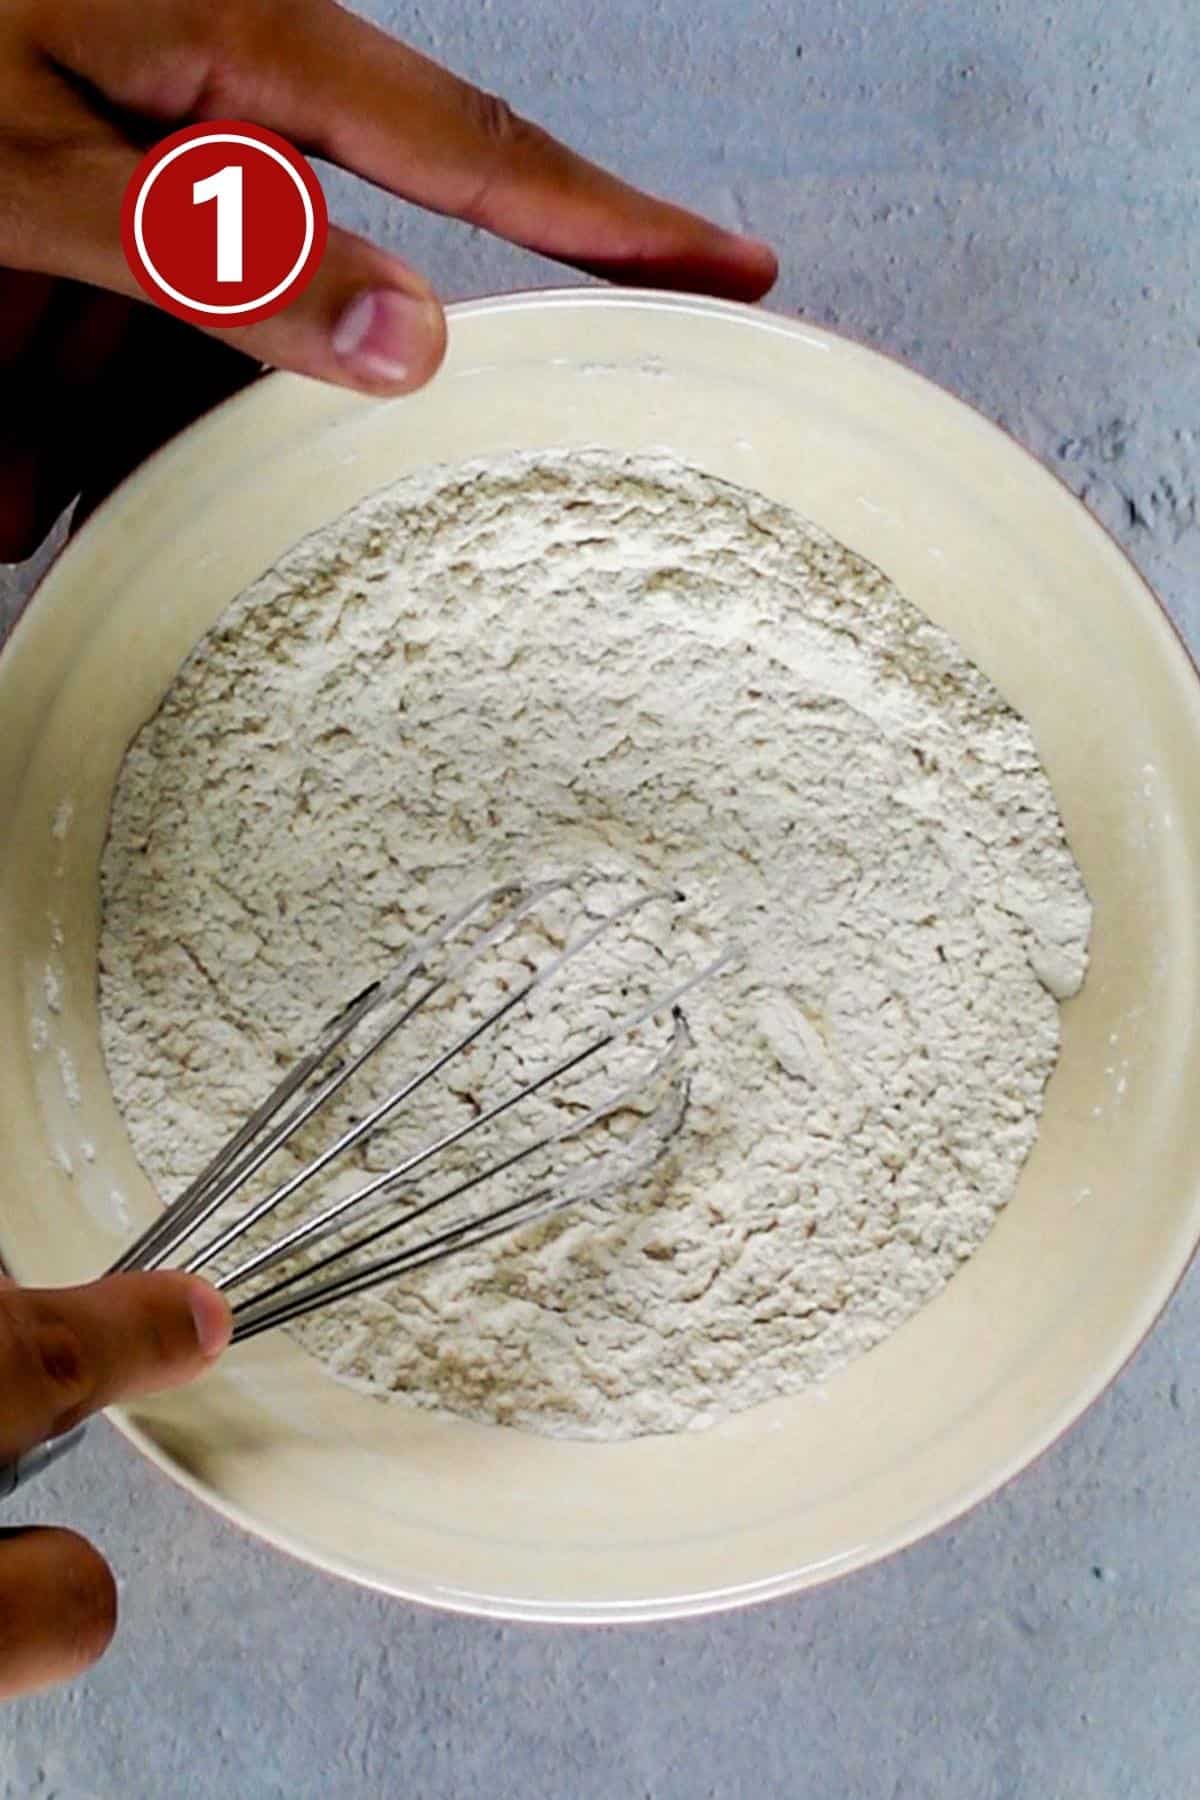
1009	197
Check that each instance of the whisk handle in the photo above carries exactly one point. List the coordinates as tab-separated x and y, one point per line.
15	1474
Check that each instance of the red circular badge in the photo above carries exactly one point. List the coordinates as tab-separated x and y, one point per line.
224	223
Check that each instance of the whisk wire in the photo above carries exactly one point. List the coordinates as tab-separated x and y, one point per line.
304	1092
240	1160
305	1235
386	1109
230	1167
263	1312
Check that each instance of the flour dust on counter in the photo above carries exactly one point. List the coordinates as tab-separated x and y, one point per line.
589	659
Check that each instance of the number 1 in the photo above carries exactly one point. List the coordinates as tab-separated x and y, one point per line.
225	187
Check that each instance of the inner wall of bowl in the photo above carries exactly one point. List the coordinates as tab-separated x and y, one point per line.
1106	1211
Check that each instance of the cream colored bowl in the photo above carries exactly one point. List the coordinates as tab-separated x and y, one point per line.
1108	1210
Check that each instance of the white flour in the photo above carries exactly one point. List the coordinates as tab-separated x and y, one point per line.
582	658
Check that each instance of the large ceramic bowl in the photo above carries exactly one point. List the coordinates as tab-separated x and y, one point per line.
1108	1208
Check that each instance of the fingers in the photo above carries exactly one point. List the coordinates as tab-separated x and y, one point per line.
380	108
335	84
58	1608
366	320
64	1352
343	89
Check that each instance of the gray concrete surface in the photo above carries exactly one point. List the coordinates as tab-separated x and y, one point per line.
1008	195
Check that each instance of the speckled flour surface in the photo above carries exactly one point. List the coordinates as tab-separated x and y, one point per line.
562	659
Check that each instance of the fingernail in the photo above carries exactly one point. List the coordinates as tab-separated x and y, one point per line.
385	334
212	1318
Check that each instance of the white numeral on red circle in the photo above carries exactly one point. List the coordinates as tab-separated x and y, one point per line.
225	187
223	223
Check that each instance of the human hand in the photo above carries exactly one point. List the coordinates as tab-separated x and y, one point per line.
65	1352
95	378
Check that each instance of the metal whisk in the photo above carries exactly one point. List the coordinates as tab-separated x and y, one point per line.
654	1096
278	1275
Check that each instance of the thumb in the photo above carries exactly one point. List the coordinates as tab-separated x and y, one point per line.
366	321
66	1352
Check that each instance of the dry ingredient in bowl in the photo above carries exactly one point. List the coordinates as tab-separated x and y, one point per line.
615	661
